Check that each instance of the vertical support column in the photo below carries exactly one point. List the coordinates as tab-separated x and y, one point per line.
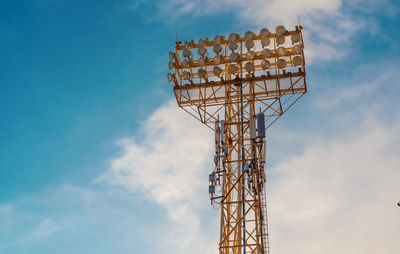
241	223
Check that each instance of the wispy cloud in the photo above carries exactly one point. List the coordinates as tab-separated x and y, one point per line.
339	196
167	163
330	26
376	84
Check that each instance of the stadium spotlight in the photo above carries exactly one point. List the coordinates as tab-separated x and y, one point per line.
280	30
234	57
281	63
217	71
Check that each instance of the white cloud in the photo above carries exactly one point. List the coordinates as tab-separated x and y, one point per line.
330	25
365	93
168	164
71	219
339	196
45	228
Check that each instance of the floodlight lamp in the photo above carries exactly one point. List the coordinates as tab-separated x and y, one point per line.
217	49
186	53
249	67
233	45
250	55
171	65
232	37
217	39
281	51
202	73
218	59
217	71
186	45
280	30
265	41
249	44
185	63
202	50
265	64
234	57
281	63
171	56
186	75
280	39
264	32
295	38
201	42
266	53
297	49
202	61
232	69
248	35
171	77
297	60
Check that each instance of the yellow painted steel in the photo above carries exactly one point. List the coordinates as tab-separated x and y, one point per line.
236	99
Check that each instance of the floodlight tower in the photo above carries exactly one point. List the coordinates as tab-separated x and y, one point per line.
239	86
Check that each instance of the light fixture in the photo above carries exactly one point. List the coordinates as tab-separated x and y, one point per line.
186	75
201	42
217	71
281	63
232	37
250	55
295	38
186	45
202	61
217	49
249	44
232	69
264	32
265	41
171	77
202	50
281	51
171	65
217	39
280	30
234	57
249	67
202	73
297	49
265	64
218	59
280	39
171	56
233	45
185	63
297	60
186	52
266	53
248	35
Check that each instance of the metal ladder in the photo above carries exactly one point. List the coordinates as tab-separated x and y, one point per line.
264	221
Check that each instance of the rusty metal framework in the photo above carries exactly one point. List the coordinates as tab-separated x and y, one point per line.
238	87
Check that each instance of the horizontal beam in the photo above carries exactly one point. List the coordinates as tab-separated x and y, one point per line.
239	80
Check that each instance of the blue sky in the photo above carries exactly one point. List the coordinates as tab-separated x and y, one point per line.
88	128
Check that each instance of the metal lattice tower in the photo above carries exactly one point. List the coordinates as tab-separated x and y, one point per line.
239	87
